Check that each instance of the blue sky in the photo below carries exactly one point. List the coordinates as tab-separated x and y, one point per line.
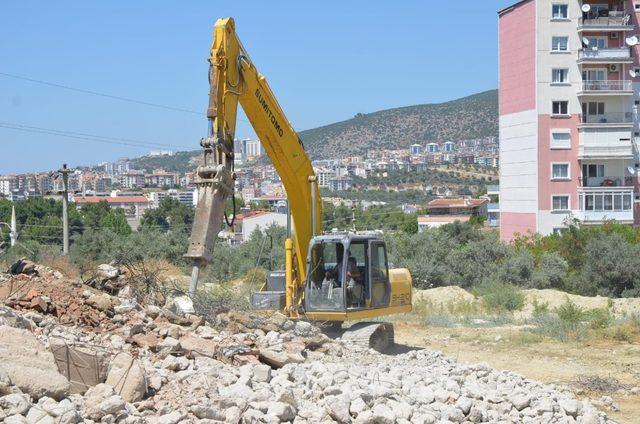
326	61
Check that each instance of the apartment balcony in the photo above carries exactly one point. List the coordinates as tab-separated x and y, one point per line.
606	150
606	88
608	55
604	120
613	21
599	204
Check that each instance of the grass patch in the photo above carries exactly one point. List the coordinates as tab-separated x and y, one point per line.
501	297
551	325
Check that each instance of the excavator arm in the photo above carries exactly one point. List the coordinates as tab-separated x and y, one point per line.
234	78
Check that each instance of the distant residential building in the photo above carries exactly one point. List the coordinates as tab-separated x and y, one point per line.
132	179
340	184
415	149
324	175
245	224
161	178
8	184
188	197
134	206
432	148
155	153
447	211
449	146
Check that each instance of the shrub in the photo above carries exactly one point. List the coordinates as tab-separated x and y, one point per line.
611	266
517	269
570	312
599	318
498	296
551	272
551	325
469	264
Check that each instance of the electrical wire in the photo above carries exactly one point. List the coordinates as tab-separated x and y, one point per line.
83	137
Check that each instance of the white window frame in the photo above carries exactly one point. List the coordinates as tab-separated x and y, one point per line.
586	71
567	50
568	196
567	178
598	38
566	73
559	146
560	18
560	115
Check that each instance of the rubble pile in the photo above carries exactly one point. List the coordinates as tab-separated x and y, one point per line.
70	353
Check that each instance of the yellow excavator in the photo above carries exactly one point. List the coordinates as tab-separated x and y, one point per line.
334	277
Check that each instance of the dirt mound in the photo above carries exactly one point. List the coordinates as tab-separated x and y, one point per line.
444	296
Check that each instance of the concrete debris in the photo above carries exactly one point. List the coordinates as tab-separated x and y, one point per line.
115	361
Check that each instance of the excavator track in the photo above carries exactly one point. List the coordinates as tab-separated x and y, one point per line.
375	335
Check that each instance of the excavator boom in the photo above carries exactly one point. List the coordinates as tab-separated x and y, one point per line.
234	78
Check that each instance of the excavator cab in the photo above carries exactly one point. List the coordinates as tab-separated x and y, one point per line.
346	273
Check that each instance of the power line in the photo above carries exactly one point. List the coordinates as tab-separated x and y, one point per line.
96	93
106	95
87	137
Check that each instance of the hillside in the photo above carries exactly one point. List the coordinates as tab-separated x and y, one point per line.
470	117
474	116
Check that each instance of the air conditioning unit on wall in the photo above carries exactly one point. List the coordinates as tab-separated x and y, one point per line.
614	67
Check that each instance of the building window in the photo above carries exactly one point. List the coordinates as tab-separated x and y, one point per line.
559	44
616	201
560	171
592	170
559	76
560	203
560	11
560	107
561	139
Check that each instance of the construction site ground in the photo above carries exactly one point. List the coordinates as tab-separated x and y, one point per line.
513	347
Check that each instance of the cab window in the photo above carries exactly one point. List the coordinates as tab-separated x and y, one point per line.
325	281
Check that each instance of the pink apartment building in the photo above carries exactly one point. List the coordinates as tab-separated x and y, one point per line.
568	114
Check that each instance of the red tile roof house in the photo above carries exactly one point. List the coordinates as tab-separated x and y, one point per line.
446	211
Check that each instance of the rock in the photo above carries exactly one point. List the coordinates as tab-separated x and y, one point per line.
520	401
207	412
279	359
423	395
16	419
101	302
261	373
5	382
357	406
570	406
544	405
39	416
174	363
182	305
283	411
94	398
338	409
23	266
29	365
452	414
152	311
107	272
382	414
196	346
127	377
464	404
14	404
149	341
303	328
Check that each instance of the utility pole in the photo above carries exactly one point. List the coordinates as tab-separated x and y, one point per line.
65	208
13	234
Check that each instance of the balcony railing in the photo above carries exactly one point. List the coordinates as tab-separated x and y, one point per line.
606	203
614	19
608	118
605	182
606	85
596	54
